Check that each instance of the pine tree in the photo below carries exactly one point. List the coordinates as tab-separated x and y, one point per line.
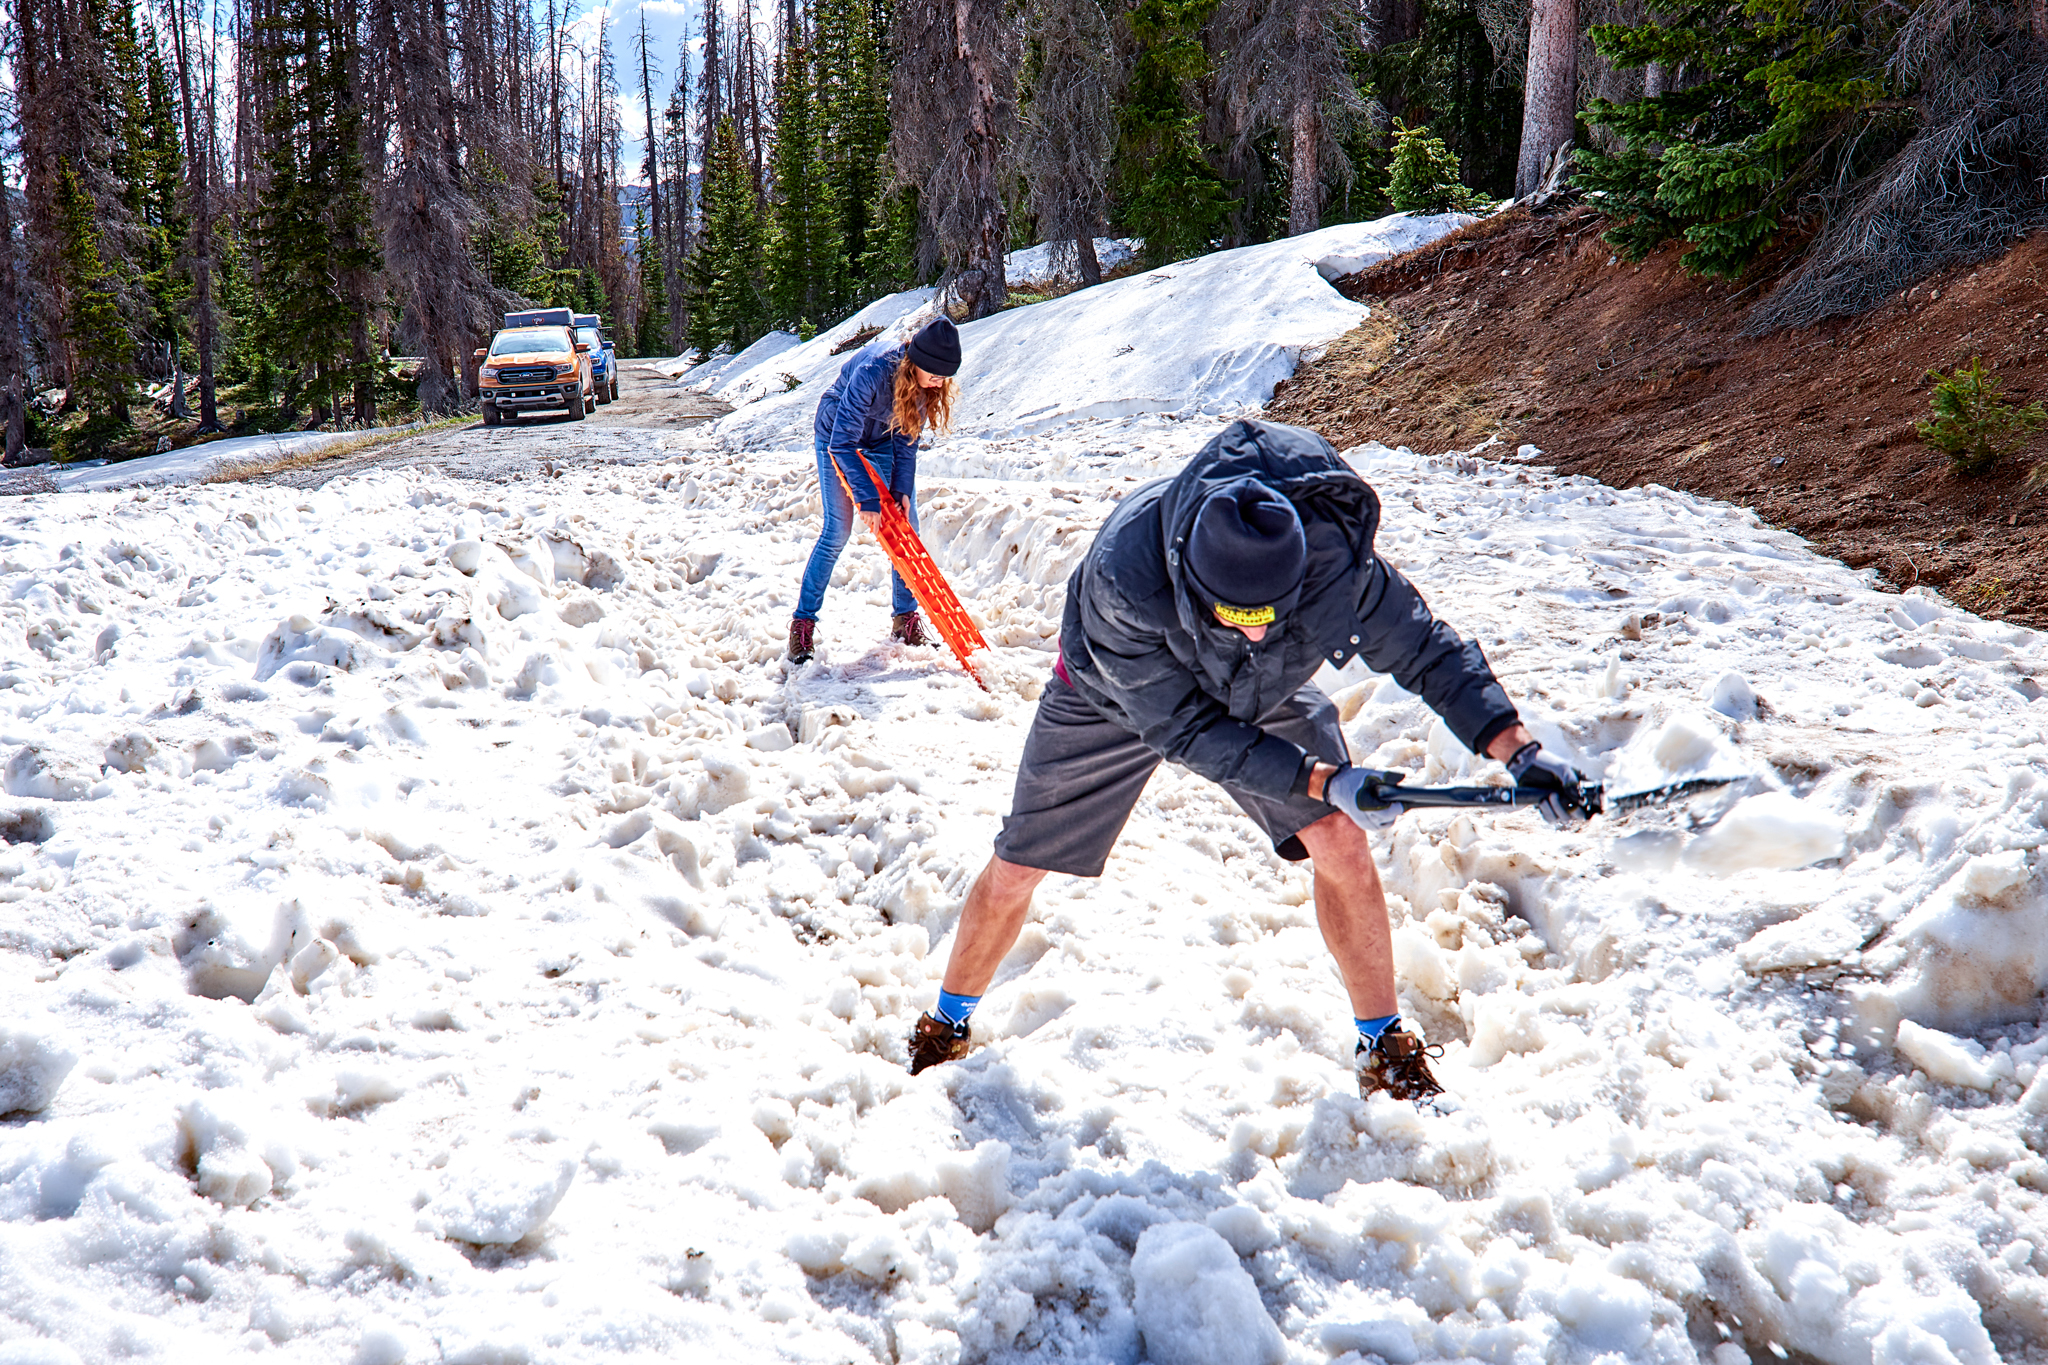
853	138
804	258
1425	175
651	336
160	214
1774	102
1169	193
312	236
727	307
94	320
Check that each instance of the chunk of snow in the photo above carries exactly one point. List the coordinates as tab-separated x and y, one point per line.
34	1060
1732	697
495	1198
1946	1059
1032	266
1196	1305
1389	1339
1773	830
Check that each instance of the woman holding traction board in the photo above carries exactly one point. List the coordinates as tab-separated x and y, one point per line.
873	416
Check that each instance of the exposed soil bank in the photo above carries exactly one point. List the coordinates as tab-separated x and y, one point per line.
1526	327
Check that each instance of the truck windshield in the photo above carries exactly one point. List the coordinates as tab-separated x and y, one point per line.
589	336
528	339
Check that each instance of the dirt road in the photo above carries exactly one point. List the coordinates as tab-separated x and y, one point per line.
629	431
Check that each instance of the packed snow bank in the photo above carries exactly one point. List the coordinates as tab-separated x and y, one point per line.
197	464
475	943
1033	266
1203	336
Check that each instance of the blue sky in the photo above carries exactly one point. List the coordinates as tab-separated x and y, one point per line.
668	23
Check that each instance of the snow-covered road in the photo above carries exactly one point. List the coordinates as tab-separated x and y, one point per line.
435	924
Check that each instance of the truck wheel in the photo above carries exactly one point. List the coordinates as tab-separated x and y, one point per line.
615	388
575	405
491	417
590	401
603	395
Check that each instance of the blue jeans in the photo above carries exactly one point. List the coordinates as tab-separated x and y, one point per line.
839	525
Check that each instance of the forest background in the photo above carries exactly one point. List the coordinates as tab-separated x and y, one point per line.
262	214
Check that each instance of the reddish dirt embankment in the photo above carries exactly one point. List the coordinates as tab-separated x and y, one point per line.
1526	327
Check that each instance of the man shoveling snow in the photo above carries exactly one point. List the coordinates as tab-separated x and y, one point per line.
1190	633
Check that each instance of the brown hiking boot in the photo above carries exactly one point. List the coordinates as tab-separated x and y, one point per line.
800	644
908	627
1398	1064
933	1040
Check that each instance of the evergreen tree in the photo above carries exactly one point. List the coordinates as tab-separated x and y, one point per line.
312	235
727	306
651	336
160	214
94	320
1425	176
1445	72
853	139
1774	102
805	261
1170	194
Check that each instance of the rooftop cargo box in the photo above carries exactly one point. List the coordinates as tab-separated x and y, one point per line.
542	317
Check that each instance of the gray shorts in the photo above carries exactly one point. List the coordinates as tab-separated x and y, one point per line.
1081	775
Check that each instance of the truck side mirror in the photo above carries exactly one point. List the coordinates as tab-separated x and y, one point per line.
479	355
582	348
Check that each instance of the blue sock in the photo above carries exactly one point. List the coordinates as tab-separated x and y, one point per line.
954	1009
1371	1029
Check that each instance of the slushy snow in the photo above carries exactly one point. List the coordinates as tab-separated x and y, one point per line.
436	924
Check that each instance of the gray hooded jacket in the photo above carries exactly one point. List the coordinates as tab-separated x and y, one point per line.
1145	652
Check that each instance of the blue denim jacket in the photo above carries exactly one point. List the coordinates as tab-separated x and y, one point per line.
855	415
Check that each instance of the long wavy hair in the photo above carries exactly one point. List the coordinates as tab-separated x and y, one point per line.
918	407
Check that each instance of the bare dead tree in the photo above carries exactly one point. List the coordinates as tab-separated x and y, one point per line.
1288	70
953	108
1550	93
425	215
651	165
1068	128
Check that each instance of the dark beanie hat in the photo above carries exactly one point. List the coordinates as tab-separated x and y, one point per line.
936	347
1246	550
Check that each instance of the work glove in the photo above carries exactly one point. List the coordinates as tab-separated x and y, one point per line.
1534	766
1351	791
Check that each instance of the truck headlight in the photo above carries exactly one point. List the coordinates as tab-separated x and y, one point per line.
563	371
490	373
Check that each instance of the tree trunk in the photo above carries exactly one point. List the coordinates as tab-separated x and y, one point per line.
1653	78
1303	208
1550	94
1084	252
13	383
982	160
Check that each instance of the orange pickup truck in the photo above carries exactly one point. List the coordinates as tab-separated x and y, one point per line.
535	366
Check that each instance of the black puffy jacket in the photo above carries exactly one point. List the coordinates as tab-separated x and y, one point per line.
1139	646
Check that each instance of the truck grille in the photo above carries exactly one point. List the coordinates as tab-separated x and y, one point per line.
526	374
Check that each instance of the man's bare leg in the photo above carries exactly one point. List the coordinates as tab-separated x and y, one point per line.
1351	910
990	922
